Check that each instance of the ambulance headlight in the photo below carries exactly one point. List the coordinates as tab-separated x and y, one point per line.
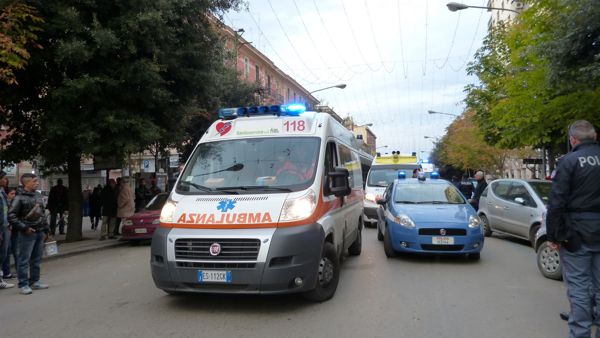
474	221
370	197
166	214
299	208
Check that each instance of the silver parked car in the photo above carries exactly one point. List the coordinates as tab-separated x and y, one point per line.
514	207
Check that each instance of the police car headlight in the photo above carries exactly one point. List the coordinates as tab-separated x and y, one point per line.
474	221
166	214
370	197
299	208
405	221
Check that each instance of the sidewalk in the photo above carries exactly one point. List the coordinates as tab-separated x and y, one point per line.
90	242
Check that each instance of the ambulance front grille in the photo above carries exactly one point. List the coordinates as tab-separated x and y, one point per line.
232	249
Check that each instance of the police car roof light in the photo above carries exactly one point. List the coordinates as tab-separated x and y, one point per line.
434	175
401	174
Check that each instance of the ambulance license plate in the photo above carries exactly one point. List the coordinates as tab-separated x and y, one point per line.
442	240
214	276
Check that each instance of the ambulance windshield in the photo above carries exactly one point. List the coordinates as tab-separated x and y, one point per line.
248	166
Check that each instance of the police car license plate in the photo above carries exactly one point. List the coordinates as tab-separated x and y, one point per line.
140	230
442	240
214	276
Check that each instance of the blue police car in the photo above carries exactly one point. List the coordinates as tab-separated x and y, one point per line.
427	215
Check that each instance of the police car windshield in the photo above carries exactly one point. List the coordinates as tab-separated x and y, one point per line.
250	166
423	193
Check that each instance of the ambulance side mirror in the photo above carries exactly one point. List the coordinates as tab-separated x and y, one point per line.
339	182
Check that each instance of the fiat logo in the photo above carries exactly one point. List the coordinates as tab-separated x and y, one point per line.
215	249
443	232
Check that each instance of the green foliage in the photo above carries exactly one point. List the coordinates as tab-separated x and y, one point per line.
537	76
19	26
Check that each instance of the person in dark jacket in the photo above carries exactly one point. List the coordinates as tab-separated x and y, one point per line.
142	195
58	203
465	186
109	210
96	206
573	225
27	215
481	185
4	228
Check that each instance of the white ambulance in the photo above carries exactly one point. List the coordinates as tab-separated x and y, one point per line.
268	202
384	171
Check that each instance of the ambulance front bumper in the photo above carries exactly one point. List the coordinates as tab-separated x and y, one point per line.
255	261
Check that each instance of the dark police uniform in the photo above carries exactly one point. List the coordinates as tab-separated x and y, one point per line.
573	220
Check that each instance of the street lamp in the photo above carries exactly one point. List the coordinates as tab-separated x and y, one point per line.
437	112
455	6
432	137
340	86
381	147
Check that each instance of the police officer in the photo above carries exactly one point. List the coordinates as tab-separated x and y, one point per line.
573	225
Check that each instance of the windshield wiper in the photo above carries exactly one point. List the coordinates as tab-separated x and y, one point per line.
434	202
197	186
406	202
254	187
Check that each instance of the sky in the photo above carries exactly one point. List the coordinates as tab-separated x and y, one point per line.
398	58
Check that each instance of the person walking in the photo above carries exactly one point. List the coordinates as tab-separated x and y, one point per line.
26	213
109	210
4	230
95	206
573	226
142	193
12	245
481	185
85	201
125	201
58	202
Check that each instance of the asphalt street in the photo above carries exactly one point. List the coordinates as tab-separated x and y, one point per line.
110	293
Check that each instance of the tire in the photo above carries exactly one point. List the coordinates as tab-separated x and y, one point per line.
387	244
356	248
548	262
534	229
379	235
328	275
487	229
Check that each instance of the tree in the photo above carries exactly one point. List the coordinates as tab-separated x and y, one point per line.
536	77
19	26
111	77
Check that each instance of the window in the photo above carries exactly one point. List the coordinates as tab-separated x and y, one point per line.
257	72
269	84
349	160
419	193
287	99
330	164
501	189
246	68
518	190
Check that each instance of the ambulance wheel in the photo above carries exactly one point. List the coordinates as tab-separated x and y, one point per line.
387	244
328	275
356	248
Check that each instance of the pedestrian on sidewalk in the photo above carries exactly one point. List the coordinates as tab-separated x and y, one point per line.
142	194
109	210
12	245
96	206
27	214
58	202
118	221
126	204
4	232
573	225
85	200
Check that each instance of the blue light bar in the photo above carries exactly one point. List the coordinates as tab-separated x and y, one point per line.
401	174
294	109
434	175
230	113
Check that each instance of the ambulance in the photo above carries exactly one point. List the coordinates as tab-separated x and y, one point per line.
267	203
383	172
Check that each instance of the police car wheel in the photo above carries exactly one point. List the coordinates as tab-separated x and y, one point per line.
356	248
487	229
387	244
328	275
548	262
